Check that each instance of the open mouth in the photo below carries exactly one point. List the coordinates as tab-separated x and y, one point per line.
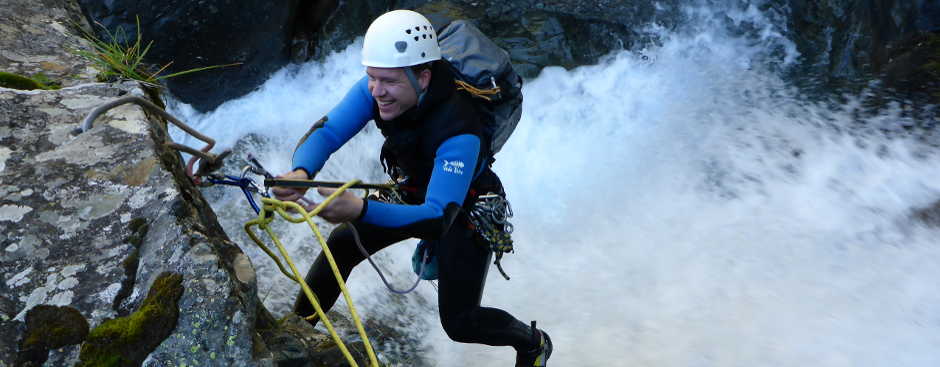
385	105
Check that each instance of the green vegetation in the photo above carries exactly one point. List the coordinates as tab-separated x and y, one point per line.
50	327
16	81
128	340
116	60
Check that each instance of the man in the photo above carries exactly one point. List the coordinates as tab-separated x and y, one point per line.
435	145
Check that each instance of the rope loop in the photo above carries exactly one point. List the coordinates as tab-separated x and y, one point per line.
282	208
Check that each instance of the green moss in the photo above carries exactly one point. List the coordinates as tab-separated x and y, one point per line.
139	229
15	81
50	327
128	340
44	80
136	223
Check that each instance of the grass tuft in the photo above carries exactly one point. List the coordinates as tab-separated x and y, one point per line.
116	60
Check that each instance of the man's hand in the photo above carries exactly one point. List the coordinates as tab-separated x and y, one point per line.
291	193
345	208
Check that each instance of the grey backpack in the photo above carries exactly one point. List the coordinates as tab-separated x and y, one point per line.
483	69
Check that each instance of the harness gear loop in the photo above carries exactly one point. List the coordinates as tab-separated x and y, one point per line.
271	206
489	217
210	162
477	92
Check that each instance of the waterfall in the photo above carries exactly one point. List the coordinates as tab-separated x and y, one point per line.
677	204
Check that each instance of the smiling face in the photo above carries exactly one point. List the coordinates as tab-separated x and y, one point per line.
392	90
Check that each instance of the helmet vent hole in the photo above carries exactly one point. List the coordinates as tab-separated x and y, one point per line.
418	28
416	38
425	36
408	31
401	46
422	54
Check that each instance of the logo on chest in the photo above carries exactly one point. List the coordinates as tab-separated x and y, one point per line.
455	167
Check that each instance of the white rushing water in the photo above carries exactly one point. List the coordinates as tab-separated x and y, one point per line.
678	205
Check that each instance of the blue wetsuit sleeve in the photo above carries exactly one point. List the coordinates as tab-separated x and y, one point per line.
454	162
341	124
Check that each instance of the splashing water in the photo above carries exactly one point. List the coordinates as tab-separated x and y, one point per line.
677	205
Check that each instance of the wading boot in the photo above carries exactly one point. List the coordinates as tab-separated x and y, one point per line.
538	356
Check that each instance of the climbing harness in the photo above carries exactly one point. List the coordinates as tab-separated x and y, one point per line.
381	191
489	217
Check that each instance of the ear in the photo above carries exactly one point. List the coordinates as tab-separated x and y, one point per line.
424	78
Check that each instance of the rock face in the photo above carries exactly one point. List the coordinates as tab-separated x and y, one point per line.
536	33
108	252
192	34
36	39
838	39
89	221
848	38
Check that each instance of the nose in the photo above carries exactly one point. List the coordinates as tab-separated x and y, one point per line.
377	89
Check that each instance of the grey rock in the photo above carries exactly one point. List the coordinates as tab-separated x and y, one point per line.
35	37
90	220
68	203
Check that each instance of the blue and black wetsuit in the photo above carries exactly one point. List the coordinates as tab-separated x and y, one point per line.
439	149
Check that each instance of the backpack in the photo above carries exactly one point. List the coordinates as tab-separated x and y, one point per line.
483	69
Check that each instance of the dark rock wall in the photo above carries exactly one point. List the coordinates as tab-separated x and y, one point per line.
190	34
839	40
842	40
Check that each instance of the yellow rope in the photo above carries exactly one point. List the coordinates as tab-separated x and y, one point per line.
265	216
477	92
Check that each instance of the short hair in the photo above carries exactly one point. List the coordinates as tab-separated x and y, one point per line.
417	69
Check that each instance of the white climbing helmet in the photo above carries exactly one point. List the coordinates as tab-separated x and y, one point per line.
400	38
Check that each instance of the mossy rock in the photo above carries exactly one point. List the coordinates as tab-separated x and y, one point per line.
50	327
15	81
126	341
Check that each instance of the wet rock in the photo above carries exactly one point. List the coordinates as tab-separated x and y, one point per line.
554	33
913	65
191	34
843	39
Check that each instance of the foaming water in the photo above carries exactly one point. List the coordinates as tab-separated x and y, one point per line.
676	205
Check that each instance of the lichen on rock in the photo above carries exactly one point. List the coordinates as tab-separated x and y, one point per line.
128	340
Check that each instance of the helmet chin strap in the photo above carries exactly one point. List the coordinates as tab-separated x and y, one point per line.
414	83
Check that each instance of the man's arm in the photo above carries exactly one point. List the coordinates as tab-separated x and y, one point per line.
339	125
453	172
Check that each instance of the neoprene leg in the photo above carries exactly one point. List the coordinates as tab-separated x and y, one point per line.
342	245
463	267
